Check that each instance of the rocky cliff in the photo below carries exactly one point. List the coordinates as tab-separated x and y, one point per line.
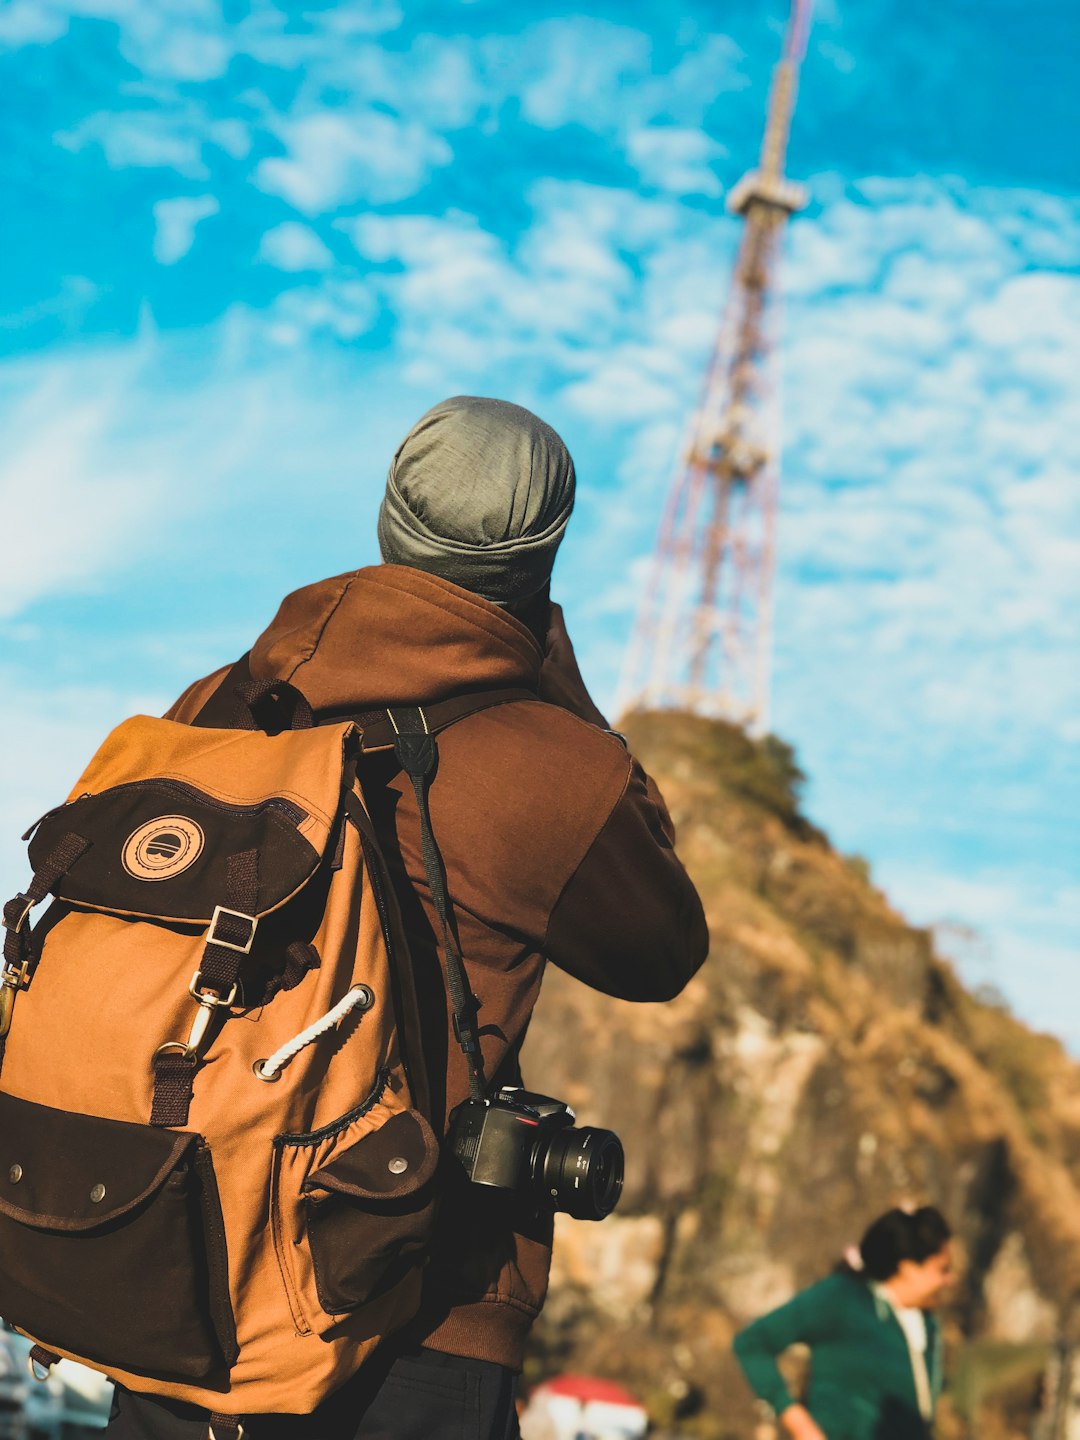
824	1065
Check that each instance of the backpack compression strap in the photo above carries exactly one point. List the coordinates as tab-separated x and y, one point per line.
213	987
415	750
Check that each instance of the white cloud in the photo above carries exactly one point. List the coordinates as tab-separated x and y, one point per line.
601	76
362	17
951	424
186	55
629	385
437	80
345	309
233	136
465	301
335	158
676	159
58	438
266	35
176	221
184	40
294	247
712	66
1034	318
579	67
146	139
70	303
28	22
841	59
194	439
174	40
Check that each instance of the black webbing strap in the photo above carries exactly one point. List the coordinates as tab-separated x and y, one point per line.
228	942
273	706
174	1086
17	910
18	948
225	1427
240	702
378	729
300	958
41	1358
415	749
233	929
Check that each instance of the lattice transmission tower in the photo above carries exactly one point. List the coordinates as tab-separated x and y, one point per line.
703	636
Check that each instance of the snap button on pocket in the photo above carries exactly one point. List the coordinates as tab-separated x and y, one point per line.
398	1165
97	1194
15	1174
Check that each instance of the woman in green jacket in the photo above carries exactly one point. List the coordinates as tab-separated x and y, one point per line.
875	1348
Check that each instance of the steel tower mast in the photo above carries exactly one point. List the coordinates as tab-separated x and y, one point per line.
702	639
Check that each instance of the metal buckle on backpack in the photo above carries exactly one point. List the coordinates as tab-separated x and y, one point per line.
15	977
39	1371
212	939
210	998
179	1046
208	1002
12	980
16	924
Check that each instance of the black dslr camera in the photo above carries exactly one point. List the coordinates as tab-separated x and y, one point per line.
527	1143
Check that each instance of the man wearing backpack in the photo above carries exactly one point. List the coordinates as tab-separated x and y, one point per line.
556	846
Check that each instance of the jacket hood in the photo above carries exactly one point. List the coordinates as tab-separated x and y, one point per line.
392	635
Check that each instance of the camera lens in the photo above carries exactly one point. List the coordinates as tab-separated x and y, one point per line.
581	1171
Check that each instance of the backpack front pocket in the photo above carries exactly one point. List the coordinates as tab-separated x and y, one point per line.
365	1213
112	1245
370	1212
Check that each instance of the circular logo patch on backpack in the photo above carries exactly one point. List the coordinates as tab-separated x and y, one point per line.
163	848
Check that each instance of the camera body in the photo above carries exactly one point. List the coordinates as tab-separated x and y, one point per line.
526	1143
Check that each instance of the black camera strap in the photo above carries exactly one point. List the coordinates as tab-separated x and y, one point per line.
414	746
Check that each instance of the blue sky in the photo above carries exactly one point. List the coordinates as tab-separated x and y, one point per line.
246	243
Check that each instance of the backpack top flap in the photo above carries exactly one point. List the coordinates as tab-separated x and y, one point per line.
165	806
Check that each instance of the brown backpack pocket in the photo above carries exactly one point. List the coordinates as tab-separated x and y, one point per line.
370	1212
112	1245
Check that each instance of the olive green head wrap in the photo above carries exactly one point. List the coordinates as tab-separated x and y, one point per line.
479	493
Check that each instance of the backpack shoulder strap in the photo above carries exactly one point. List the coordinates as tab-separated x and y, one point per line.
377	727
239	703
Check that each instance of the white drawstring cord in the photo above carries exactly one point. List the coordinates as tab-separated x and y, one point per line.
360	997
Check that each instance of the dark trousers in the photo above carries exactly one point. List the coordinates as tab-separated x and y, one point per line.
412	1395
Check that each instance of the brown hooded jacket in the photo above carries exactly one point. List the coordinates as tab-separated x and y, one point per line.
557	847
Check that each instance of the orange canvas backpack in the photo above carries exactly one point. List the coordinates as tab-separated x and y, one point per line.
218	1178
